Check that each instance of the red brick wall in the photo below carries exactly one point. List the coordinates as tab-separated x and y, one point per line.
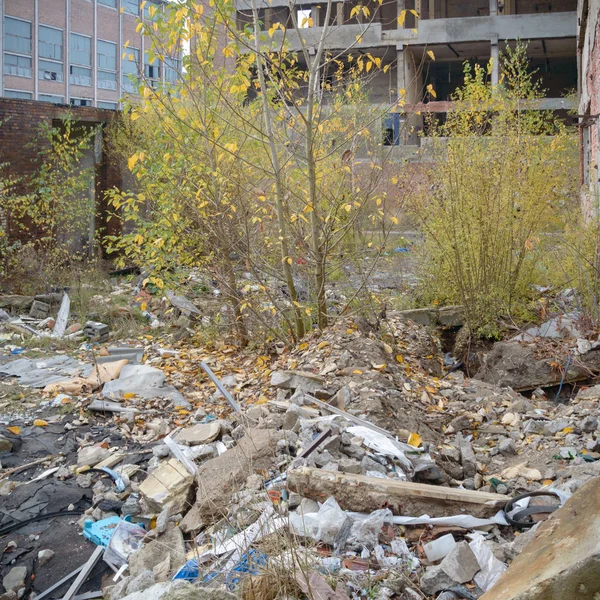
19	145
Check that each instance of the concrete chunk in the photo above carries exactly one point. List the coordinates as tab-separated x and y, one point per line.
168	485
460	564
563	558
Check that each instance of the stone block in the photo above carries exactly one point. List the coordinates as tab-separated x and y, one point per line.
167	485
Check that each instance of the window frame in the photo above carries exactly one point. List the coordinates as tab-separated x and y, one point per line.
101	3
62	45
126	83
80	99
99	69
17	56
62	98
77	64
125	4
18	92
18	52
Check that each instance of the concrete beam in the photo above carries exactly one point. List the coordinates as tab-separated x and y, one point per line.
506	27
444	106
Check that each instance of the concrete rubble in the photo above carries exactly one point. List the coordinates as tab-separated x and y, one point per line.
357	460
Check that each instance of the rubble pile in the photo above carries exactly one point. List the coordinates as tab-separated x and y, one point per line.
357	464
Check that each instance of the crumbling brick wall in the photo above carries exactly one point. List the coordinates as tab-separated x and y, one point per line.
20	145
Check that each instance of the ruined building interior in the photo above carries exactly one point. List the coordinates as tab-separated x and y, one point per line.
453	30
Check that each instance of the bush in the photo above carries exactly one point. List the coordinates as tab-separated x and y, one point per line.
503	176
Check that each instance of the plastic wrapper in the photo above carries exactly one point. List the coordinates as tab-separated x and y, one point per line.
126	539
491	567
323	526
365	532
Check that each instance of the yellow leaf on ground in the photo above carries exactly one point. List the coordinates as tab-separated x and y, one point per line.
40	423
414	440
399	358
430	389
303	346
357	372
380	367
16	430
262	400
128	395
322	345
568	430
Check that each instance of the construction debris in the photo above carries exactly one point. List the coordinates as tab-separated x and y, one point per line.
350	466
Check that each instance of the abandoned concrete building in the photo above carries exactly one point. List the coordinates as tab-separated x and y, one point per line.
454	31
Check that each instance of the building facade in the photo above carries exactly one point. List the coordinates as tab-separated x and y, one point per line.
588	56
454	31
73	51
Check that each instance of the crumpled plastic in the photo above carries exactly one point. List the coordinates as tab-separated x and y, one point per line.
324	525
491	567
126	539
365	532
384	445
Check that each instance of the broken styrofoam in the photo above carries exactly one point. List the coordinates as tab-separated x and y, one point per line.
438	549
62	318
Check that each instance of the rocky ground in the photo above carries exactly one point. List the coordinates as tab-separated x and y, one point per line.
361	463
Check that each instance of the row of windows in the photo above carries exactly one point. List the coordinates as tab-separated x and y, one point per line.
53	99
131	7
17	42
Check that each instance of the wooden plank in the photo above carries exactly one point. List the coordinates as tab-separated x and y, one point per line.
364	494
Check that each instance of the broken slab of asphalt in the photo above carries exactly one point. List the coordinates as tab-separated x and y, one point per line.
562	561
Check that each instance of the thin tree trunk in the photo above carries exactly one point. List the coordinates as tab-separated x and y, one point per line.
279	189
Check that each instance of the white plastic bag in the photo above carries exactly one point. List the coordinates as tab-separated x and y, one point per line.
365	532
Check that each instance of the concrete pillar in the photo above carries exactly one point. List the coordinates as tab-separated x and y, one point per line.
493	8
409	81
340	12
432	8
495	59
401	5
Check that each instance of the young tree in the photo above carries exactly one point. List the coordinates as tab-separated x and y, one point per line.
272	141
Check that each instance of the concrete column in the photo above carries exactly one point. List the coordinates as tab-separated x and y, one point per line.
495	58
493	8
315	12
401	5
411	84
432	8
339	7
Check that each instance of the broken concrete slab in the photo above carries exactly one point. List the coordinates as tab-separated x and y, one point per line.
170	545
435	579
560	327
297	380
563	558
460	563
446	316
167	486
220	477
365	494
203	433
